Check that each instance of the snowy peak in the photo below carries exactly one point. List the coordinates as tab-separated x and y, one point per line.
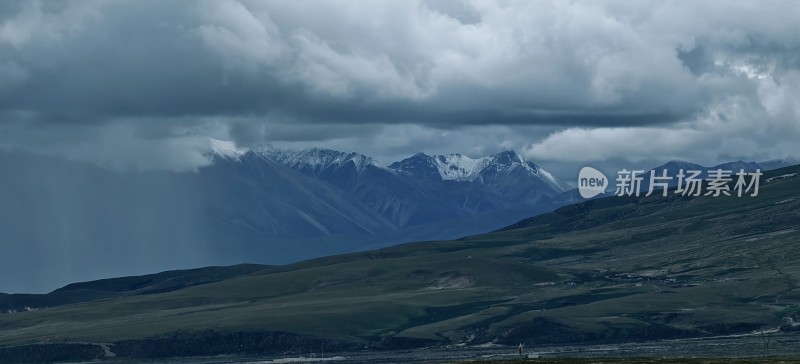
506	162
419	165
508	157
458	167
315	159
451	167
509	163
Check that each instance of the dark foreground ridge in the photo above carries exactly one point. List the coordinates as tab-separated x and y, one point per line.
603	273
261	348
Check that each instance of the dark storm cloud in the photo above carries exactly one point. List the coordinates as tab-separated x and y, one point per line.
303	71
98	61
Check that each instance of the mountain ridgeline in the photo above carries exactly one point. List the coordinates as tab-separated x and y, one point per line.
70	221
65	221
425	189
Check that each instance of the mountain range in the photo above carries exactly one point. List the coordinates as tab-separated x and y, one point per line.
426	189
682	276
66	221
69	221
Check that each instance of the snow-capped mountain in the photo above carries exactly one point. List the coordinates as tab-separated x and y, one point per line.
322	163
394	197
457	167
315	162
425	189
452	167
504	167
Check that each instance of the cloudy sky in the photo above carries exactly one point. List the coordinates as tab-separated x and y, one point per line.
140	84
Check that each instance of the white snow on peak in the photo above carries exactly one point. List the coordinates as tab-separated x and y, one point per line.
451	167
315	158
458	167
462	168
225	148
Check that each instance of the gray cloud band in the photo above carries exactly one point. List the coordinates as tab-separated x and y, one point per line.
260	71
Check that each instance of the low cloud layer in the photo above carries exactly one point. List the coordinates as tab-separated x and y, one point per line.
139	84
